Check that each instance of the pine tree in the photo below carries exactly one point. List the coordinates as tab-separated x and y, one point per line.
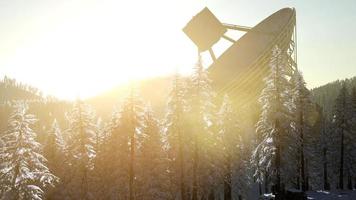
273	125
318	145
230	143
325	148
82	131
302	107
114	158
131	123
119	151
55	152
176	136
342	133
54	148
201	109
152	163
99	161
23	170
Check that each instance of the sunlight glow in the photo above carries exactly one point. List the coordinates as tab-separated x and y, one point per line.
85	53
84	47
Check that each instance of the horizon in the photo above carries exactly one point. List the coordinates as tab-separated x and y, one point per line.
51	45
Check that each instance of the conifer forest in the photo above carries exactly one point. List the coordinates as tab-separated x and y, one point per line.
177	100
200	148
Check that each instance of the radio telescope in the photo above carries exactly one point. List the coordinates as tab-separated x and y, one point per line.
239	71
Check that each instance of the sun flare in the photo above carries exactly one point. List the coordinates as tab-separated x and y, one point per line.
91	48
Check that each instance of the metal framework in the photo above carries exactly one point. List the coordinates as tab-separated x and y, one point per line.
240	88
243	81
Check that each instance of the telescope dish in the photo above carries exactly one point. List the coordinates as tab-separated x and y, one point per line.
240	70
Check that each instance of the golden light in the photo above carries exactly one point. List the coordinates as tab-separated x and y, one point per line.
86	48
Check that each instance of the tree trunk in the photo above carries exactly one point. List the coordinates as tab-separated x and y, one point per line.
302	164
14	188
227	190
84	184
260	189
306	175
228	180
349	182
325	166
181	166
132	151
278	139
341	173
266	183
211	195
341	170
83	167
278	164
195	170
131	170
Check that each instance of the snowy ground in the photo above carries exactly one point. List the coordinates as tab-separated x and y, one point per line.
337	195
316	195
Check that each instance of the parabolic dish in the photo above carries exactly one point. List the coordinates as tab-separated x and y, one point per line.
240	70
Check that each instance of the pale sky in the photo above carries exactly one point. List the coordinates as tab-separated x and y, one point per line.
71	48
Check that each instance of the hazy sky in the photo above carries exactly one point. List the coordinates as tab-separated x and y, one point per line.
82	47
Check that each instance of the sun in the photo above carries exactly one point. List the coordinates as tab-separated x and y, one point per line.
92	48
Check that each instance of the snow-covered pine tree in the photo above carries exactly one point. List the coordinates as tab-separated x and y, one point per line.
23	169
55	152
152	160
98	174
342	135
82	131
302	109
176	138
131	124
119	150
274	124
99	135
113	160
242	173
233	169
201	109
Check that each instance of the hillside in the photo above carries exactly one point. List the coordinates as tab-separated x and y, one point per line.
325	95
10	90
153	91
45	108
